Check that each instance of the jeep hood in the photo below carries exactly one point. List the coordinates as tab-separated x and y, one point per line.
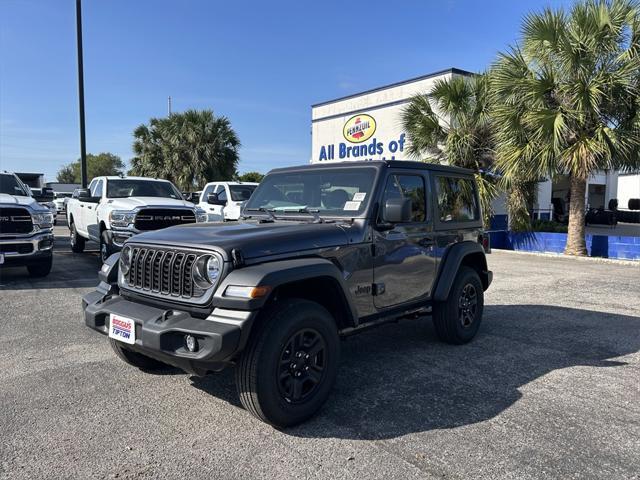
254	239
6	199
130	203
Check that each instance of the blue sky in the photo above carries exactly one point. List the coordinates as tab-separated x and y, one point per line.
261	64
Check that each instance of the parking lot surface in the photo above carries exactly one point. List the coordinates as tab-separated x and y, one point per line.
548	389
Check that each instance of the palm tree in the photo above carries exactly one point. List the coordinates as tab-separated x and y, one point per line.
189	148
452	124
567	99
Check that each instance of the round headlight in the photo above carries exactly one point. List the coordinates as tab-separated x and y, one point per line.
206	271
125	260
213	269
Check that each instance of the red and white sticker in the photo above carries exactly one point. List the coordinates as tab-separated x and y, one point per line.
122	329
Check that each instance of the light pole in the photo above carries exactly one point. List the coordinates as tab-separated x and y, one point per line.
83	145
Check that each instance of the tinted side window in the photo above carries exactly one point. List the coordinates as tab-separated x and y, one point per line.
408	186
222	195
456	199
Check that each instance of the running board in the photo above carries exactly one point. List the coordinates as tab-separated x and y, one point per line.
409	315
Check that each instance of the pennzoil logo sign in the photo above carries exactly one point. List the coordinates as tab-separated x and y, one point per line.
359	128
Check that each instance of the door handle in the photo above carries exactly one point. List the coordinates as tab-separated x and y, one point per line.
81	206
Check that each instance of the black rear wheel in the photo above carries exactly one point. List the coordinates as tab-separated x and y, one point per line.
77	242
458	319
289	366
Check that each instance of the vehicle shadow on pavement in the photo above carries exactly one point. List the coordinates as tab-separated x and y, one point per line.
70	270
398	379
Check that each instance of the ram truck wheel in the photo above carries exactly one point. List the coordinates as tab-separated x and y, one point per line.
105	248
289	366
77	242
457	319
40	269
137	359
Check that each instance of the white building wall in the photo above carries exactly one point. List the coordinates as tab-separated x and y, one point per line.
628	187
384	105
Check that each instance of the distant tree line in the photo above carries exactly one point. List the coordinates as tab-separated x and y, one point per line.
97	165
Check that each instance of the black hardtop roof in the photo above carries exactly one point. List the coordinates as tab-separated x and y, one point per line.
379	164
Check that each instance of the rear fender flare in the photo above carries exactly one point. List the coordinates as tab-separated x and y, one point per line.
450	265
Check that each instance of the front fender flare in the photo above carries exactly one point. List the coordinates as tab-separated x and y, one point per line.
278	273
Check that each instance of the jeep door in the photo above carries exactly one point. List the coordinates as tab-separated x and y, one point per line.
404	261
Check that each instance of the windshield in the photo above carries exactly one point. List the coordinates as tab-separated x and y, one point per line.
240	193
141	188
341	192
12	186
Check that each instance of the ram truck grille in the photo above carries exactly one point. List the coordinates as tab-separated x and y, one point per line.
166	272
15	221
157	218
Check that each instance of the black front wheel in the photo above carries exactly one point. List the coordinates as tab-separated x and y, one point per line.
105	247
40	269
458	319
289	367
136	359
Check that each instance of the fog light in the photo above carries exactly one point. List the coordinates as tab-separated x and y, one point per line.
191	343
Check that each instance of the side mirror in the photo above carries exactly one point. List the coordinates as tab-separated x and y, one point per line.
84	193
397	210
212	199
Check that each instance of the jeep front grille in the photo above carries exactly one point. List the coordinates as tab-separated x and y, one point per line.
157	218
15	221
166	272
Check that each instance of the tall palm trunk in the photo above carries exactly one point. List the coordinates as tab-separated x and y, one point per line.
576	244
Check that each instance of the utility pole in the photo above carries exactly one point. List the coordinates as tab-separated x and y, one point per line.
83	145
169	105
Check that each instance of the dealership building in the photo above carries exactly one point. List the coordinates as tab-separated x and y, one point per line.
367	126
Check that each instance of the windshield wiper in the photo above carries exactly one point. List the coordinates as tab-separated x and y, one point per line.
311	211
268	211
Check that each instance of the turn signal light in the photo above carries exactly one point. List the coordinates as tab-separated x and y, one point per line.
246	292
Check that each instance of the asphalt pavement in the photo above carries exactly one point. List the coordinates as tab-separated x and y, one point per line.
550	388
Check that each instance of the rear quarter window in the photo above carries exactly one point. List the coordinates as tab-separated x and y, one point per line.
457	199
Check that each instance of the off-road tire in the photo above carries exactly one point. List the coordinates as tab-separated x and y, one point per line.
137	359
40	269
77	242
259	371
447	316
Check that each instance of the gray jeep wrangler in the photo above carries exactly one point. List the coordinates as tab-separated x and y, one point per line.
322	251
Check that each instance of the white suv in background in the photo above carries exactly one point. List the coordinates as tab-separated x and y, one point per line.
223	200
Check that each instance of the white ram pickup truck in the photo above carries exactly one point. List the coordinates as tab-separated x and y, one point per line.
113	209
223	201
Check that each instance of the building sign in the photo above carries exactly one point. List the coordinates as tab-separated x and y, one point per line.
361	144
359	128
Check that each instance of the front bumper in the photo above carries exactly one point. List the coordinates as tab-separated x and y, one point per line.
19	251
160	333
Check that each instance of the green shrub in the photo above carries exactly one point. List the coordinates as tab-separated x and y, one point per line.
548	226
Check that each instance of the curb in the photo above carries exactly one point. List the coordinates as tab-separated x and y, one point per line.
615	261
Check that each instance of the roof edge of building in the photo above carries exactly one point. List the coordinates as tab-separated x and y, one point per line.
457	71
